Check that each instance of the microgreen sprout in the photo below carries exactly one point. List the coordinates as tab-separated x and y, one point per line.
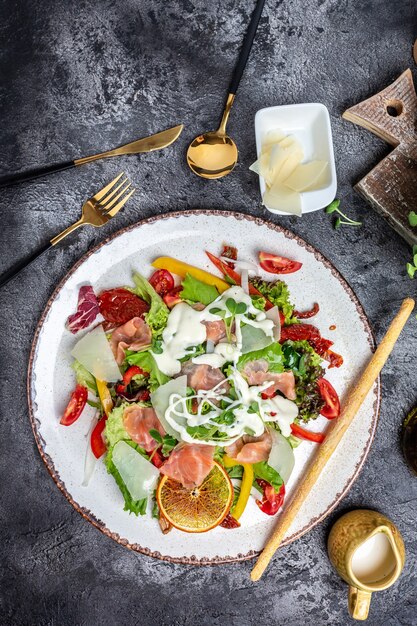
167	441
234	308
412	218
253	407
347	221
412	267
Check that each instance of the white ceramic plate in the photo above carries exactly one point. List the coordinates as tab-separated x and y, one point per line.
186	236
310	124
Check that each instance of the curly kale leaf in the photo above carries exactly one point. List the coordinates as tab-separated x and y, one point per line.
305	363
277	292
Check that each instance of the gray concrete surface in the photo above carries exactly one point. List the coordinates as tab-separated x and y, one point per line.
81	76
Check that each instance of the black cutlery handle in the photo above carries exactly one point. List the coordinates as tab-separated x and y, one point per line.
13	179
16	269
247	45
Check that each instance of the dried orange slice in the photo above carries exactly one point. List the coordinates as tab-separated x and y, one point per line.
199	509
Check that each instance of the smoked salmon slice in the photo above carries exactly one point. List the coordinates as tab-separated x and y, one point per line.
249	449
256	373
189	464
215	331
138	421
204	377
134	334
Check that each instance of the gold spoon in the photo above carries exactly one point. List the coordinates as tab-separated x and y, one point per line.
214	154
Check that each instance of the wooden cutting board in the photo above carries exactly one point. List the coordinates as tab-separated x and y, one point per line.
391	187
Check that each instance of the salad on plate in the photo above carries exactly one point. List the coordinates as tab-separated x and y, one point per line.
203	386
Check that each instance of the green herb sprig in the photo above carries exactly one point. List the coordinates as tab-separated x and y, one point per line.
412	218
412	267
167	441
338	222
234	308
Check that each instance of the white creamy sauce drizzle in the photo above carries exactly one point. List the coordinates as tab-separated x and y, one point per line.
178	416
185	330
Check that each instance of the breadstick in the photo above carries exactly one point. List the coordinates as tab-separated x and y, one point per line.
354	400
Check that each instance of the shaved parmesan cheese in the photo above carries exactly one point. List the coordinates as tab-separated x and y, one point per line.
94	352
306	175
273	314
265	165
160	400
288	141
290	164
209	346
271	138
282	199
137	473
255	167
284	159
281	457
261	166
280	165
254	339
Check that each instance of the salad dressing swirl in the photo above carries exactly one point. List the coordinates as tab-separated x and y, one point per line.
184	331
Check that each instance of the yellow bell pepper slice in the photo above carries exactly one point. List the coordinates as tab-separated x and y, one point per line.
245	487
105	396
181	269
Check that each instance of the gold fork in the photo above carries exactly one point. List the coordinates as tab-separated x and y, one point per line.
97	211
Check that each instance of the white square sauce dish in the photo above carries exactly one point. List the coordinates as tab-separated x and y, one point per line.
308	127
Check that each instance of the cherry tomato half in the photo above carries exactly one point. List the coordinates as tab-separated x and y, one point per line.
162	281
156	457
75	406
235	277
133	370
275	264
303	433
332	407
271	501
173	297
118	306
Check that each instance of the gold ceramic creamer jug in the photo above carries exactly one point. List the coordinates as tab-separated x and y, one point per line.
368	552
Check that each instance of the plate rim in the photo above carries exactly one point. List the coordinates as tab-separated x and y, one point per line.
86	513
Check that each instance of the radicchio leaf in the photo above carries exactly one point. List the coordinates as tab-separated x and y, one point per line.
87	310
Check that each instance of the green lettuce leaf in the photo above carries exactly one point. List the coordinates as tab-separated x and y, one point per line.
254	339
157	316
196	290
272	354
114	430
146	361
138	507
84	377
258	302
300	356
277	292
266	472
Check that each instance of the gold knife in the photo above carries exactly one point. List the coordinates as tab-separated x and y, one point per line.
147	144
